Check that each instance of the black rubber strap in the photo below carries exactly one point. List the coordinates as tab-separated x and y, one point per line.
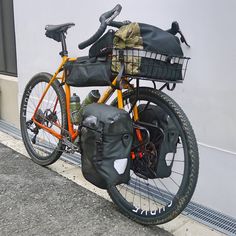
120	74
99	144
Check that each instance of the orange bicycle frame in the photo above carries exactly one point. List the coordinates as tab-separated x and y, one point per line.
74	133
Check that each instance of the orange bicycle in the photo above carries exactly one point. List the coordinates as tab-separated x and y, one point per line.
161	182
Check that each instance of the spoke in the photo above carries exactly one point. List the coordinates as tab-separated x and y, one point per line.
165	187
55	102
175	160
52	103
154	200
42	87
135	187
48	137
176	172
140	193
38	147
37	93
32	101
32	108
174	181
123	185
30	112
160	192
50	92
148	194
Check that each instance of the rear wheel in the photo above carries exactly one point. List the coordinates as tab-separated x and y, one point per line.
150	200
43	147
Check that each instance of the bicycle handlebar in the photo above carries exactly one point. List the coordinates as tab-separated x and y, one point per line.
105	19
118	24
108	16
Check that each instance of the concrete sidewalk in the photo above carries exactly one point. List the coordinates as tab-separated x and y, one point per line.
37	201
181	225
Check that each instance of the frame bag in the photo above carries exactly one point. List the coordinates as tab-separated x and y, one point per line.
106	140
85	72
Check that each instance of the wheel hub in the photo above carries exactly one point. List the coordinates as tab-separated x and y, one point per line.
47	118
145	165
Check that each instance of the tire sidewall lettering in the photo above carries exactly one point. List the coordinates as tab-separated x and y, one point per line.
25	101
153	212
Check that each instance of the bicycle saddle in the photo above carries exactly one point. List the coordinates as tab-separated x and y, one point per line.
59	28
56	31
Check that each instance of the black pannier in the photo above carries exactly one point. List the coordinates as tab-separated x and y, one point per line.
106	140
148	52
85	72
165	137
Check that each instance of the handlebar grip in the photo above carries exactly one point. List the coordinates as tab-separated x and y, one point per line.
93	38
110	14
118	24
105	18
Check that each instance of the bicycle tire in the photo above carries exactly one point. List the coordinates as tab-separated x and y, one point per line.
45	143
191	166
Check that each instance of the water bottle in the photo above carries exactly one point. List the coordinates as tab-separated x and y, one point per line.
74	109
92	97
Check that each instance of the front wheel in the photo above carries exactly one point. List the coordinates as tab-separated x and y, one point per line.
156	200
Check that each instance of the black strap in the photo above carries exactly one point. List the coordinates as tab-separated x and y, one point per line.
99	144
62	84
119	76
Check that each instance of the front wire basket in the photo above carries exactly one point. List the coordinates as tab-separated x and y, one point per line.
149	65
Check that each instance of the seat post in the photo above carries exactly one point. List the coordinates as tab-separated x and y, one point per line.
64	51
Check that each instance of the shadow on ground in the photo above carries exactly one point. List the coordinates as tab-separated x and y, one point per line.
37	201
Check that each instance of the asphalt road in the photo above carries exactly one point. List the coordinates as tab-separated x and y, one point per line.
37	201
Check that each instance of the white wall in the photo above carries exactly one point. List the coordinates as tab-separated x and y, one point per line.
208	93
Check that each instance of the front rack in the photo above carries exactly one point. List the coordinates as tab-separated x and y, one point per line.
142	64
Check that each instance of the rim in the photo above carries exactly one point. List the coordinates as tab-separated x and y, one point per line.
40	142
151	197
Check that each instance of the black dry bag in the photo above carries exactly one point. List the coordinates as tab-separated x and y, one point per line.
106	140
85	72
165	136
